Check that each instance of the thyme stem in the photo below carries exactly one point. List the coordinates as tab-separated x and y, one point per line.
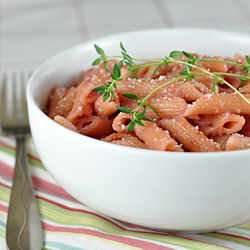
189	64
221	80
163	85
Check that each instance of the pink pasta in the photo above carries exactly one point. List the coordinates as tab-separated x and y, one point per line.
155	138
65	123
185	115
108	107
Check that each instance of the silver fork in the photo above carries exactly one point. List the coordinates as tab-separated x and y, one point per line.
24	229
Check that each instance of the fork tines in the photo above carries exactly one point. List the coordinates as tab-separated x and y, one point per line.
13	101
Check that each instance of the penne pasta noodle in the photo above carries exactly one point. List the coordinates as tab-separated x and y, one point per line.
232	80
215	66
124	69
65	123
90	73
218	104
226	123
117	136
64	106
86	95
240	58
246	128
80	108
131	141
146	72
188	135
149	72
210	86
189	91
154	137
57	94
100	74
106	108
94	126
220	139
121	121
204	79
166	107
245	89
237	141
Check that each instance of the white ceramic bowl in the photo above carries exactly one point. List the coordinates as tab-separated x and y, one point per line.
182	192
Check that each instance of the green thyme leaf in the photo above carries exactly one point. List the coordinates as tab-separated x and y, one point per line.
131	96
188	70
112	95
214	86
141	114
120	64
183	73
243	78
152	107
140	123
99	50
128	63
247	69
166	60
100	88
243	83
128	58
97	62
131	126
132	74
147	119
192	60
105	65
116	71
248	60
176	54
216	78
113	77
122	47
124	109
157	68
105	96
187	78
188	55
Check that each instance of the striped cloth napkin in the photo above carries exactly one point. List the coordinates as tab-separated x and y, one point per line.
70	225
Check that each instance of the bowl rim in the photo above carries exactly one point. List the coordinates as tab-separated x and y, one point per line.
155	153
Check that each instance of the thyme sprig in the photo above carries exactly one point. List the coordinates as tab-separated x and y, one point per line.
189	63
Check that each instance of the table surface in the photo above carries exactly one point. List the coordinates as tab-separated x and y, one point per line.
33	31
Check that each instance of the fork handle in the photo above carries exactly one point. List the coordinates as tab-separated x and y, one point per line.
24	229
